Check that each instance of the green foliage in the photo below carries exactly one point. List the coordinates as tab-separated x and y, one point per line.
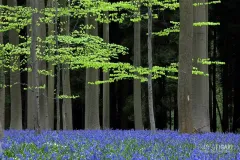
81	50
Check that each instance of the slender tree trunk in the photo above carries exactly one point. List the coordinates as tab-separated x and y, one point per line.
44	121
214	86
200	84
92	91
170	111
67	102
185	67
210	71
2	92
30	100
34	62
57	99
210	98
58	70
150	63
175	113
236	109
224	39
138	122
50	78
1	131
2	95
106	89
15	90
226	88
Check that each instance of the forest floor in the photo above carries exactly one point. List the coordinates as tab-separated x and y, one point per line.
118	145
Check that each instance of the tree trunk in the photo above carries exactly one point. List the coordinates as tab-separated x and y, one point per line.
1	131
210	99
92	91
67	102
236	109
2	93
50	82
44	121
106	89
57	95
30	100
58	69
185	67
214	116
210	70
15	81
150	63
226	87
175	113
200	84
236	100
138	122
34	62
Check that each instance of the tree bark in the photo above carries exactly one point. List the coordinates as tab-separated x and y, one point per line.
92	91
2	96
210	70
224	39
58	69
150	63
15	81
185	67
175	113
214	88
34	62
50	92
2	92
30	99
200	84
138	122
44	121
67	102
106	86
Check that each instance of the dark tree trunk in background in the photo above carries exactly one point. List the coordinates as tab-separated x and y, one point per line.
115	36
214	109
235	34
225	54
225	98
161	106
210	98
115	110
175	112
123	95
236	111
106	89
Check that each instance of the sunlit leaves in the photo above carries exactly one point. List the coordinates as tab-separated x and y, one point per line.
80	50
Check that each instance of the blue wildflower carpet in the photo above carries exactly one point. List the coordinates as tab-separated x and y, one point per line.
118	145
